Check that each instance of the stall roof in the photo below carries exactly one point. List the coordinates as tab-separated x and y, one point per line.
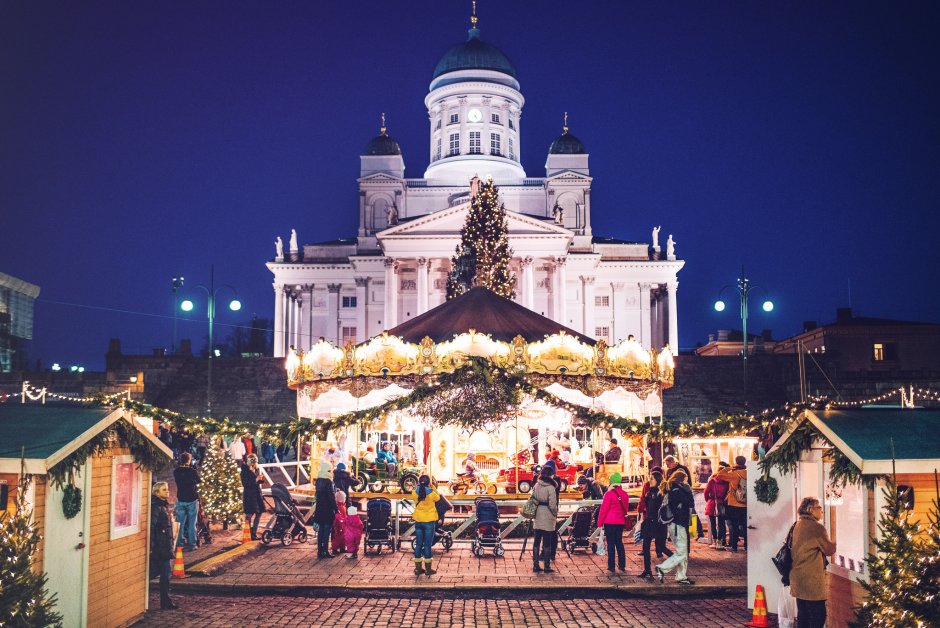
49	433
865	436
487	313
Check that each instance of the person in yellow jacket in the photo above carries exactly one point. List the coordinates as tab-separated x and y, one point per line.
426	518
736	507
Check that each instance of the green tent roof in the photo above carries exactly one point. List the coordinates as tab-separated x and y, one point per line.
43	430
870	431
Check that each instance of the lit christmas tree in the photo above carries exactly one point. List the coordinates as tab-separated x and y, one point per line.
24	600
482	257
220	487
904	574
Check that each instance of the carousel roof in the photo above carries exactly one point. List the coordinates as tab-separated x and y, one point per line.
486	312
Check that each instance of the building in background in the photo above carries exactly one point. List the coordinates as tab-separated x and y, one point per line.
397	265
16	321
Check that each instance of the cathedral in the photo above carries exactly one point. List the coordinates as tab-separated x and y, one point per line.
396	267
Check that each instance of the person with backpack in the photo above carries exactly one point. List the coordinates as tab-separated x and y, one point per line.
716	494
613	516
736	507
651	529
676	512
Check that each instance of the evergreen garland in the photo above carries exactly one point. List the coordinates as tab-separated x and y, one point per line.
483	255
904	573
220	486
24	600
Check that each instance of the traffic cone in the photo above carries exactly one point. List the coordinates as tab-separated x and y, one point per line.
179	570
246	532
759	619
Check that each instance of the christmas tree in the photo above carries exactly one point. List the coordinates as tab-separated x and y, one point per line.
220	486
904	573
482	257
24	600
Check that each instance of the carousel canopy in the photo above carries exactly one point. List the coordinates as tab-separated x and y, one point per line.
486	312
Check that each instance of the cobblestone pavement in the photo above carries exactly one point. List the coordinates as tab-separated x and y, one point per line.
465	612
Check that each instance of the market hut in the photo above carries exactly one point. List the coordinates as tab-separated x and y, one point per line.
624	380
844	457
90	497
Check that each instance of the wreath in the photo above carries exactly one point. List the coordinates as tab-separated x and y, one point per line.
71	500
766	490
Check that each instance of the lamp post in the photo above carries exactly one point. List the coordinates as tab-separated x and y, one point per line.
744	288
234	305
175	285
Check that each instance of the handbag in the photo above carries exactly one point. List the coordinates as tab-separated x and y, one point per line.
638	532
531	506
783	559
722	510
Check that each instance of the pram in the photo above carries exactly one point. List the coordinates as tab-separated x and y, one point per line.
487	532
379	525
203	535
287	524
442	536
583	524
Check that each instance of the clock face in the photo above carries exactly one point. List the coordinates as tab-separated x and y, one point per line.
474	115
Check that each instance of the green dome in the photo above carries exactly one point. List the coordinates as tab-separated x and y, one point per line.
567	144
474	54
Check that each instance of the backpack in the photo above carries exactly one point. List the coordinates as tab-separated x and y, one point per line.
665	514
740	491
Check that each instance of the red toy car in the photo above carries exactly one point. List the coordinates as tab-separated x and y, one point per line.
521	478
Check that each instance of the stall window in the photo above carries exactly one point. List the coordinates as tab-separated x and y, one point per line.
125	497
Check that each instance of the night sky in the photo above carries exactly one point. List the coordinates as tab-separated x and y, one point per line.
144	140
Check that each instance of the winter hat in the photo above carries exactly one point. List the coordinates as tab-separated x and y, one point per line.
324	471
340	497
351	511
616	478
341	467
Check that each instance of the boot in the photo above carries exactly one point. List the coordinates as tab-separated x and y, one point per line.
428	569
536	567
419	566
548	566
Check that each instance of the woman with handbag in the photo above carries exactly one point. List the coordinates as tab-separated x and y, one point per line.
808	578
716	491
651	530
678	496
613	516
545	496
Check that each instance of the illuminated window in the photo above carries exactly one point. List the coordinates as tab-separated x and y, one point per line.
475	148
454	144
602	301
495	144
879	352
884	352
454	118
125	497
349	335
349	301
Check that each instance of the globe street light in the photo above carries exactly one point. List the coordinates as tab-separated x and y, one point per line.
744	288
187	305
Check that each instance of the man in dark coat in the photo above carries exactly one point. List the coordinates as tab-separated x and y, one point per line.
252	502
324	510
161	540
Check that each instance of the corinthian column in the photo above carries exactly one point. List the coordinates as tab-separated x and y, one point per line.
528	283
391	293
362	308
278	320
422	284
561	291
671	288
645	316
587	316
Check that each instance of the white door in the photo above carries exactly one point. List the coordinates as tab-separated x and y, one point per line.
66	552
768	525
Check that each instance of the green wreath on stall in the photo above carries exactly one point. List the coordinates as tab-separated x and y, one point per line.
71	500
766	490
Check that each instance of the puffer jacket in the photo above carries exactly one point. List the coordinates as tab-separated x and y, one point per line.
612	512
546	515
161	530
682	503
716	491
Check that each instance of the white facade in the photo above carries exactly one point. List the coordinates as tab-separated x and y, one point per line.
397	266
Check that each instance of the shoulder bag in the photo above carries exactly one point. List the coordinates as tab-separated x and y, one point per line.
783	560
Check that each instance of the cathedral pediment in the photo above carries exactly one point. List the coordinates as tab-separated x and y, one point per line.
449	222
379	178
569	176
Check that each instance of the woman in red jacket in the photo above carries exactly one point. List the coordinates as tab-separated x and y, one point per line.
613	516
715	493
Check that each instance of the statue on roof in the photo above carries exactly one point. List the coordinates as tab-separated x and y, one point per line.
391	214
293	241
558	212
656	237
278	248
670	248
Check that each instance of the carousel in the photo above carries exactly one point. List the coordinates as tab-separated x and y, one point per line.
624	380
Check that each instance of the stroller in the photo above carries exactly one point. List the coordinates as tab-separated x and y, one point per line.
287	524
442	536
379	525
583	524
487	533
203	535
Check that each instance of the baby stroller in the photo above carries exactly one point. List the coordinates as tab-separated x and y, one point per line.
442	536
287	523
379	525
203	535
583	523
487	534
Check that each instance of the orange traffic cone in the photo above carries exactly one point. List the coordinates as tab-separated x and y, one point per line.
179	571
759	619
246	532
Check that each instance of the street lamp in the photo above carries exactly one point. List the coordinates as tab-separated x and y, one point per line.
744	288
175	286
187	305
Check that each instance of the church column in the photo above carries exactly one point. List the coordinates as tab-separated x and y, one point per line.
422	284
587	316
296	337
362	308
302	314
288	319
278	320
391	293
645	316
672	287
618	312
528	283
561	285
306	315
333	309
308	299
